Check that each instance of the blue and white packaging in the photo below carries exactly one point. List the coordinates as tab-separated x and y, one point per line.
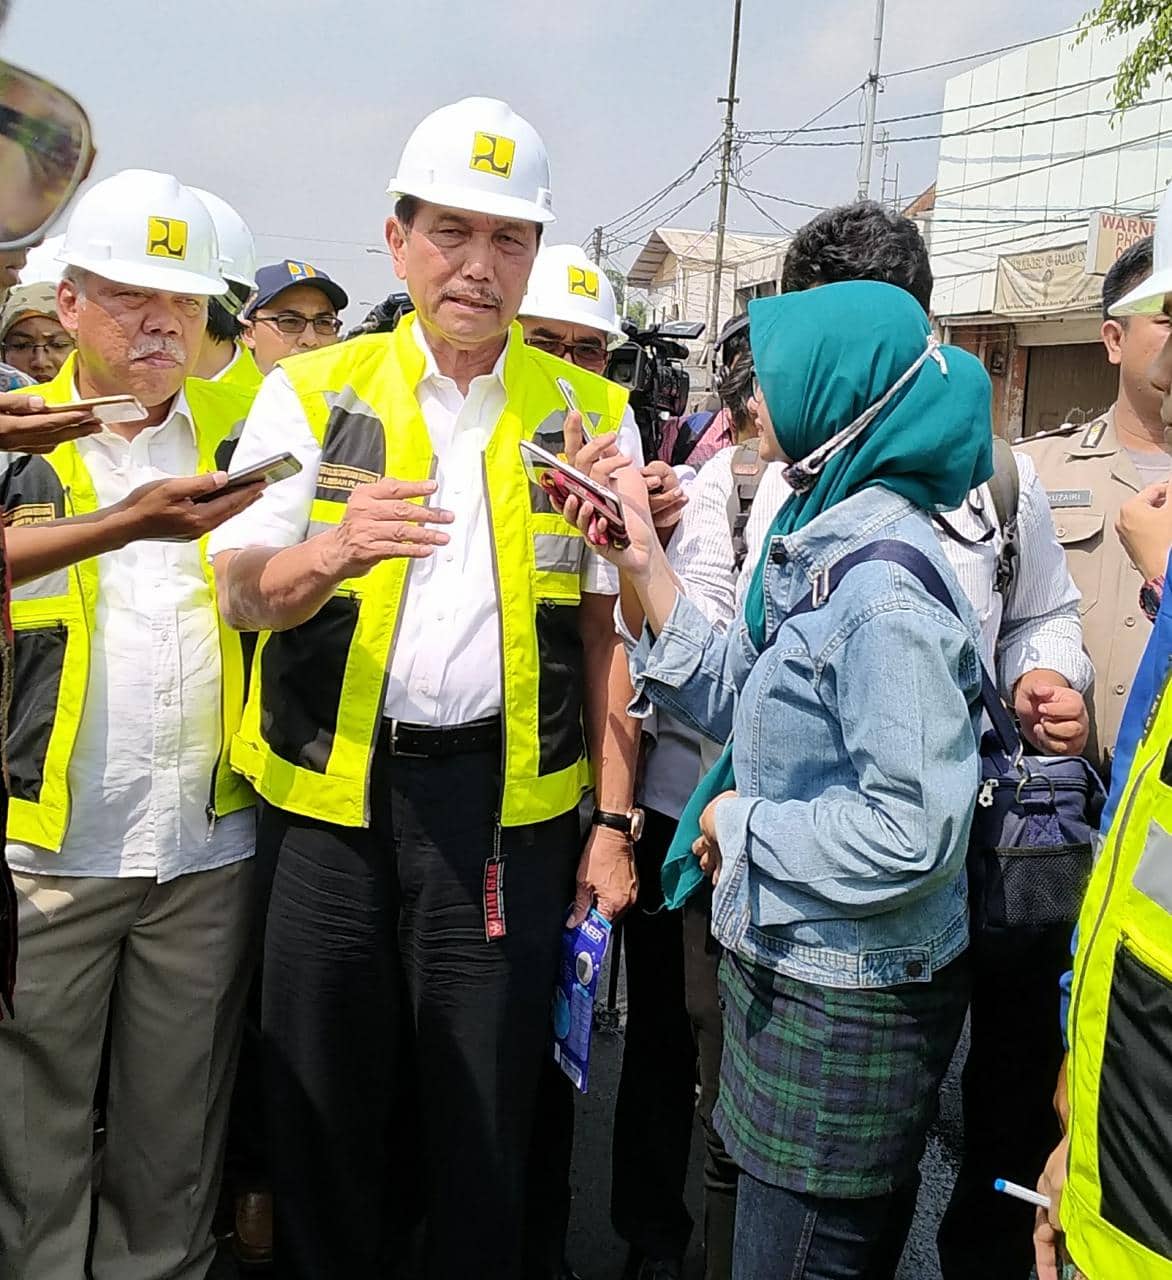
583	952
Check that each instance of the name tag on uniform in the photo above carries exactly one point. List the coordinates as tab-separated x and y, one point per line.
1069	497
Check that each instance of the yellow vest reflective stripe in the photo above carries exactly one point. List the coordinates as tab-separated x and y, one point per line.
53	619
316	702
1117	1205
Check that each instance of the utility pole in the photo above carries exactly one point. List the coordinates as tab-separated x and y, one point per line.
725	167
596	246
872	91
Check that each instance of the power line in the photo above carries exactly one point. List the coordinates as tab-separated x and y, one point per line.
971	132
614	224
661	219
1059	90
972	57
1054	164
763	212
812	121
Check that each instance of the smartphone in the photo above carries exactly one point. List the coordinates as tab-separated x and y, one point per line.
555	475
572	402
270	471
106	409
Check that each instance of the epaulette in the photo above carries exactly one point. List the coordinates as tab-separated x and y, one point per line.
1066	429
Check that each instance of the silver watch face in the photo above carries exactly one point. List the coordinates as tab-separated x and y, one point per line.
636	823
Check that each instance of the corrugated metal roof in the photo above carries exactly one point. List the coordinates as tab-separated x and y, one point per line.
696	248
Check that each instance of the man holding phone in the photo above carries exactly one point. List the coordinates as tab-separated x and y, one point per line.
129	836
440	674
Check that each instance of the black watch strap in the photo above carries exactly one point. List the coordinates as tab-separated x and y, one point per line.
616	821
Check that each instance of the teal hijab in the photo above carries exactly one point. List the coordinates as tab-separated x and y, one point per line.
823	358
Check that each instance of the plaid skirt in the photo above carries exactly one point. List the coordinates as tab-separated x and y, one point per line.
831	1092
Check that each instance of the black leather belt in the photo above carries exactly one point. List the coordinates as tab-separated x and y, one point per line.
425	741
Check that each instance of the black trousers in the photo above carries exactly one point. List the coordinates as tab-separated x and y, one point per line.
701	969
657	1088
1007	1089
403	1050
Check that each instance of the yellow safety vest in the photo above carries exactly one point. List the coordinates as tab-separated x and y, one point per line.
1117	1205
243	372
316	703
53	619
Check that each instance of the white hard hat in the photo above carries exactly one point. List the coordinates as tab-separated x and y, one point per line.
146	229
237	247
42	265
1147	299
477	154
565	285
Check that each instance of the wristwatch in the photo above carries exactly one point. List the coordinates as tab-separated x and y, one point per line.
1150	595
629	823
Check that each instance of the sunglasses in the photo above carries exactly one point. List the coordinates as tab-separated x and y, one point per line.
46	150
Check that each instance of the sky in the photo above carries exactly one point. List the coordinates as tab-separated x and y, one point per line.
295	110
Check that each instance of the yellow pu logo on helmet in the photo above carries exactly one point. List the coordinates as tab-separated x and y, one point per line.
167	238
584	283
492	154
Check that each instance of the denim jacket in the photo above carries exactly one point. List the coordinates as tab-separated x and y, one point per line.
855	751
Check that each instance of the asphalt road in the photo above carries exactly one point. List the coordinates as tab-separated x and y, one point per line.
598	1254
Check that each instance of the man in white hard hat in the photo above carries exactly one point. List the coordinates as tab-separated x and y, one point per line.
441	671
224	358
128	835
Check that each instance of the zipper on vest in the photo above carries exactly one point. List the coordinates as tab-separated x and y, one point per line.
496	579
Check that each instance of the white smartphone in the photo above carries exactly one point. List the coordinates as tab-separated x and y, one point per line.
107	409
572	401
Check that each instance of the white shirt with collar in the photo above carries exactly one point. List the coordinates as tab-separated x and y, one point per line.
445	668
1035	625
141	776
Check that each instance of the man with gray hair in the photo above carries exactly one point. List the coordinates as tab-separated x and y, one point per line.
129	837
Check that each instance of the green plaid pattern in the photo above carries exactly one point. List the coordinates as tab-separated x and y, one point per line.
830	1092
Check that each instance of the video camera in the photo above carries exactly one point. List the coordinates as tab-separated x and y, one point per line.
384	316
650	364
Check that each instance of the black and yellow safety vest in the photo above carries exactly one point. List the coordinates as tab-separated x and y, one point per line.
316	702
53	621
1117	1204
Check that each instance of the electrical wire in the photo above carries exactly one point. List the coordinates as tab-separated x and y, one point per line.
618	225
661	220
1059	90
972	132
972	57
763	212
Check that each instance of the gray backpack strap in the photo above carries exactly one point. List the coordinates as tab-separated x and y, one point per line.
747	469
1005	490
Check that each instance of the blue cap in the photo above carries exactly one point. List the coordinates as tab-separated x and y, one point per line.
281	275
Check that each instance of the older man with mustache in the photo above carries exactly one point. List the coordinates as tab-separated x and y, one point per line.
129	837
440	673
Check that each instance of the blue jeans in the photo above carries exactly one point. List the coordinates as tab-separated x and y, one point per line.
786	1235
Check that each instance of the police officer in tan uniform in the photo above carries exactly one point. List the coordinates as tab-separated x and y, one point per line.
1089	472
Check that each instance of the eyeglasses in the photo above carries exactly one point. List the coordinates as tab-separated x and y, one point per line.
586	355
55	346
291	323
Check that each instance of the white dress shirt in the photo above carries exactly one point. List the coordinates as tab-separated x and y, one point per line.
1036	625
141	776
446	664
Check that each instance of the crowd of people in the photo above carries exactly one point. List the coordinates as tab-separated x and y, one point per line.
309	776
